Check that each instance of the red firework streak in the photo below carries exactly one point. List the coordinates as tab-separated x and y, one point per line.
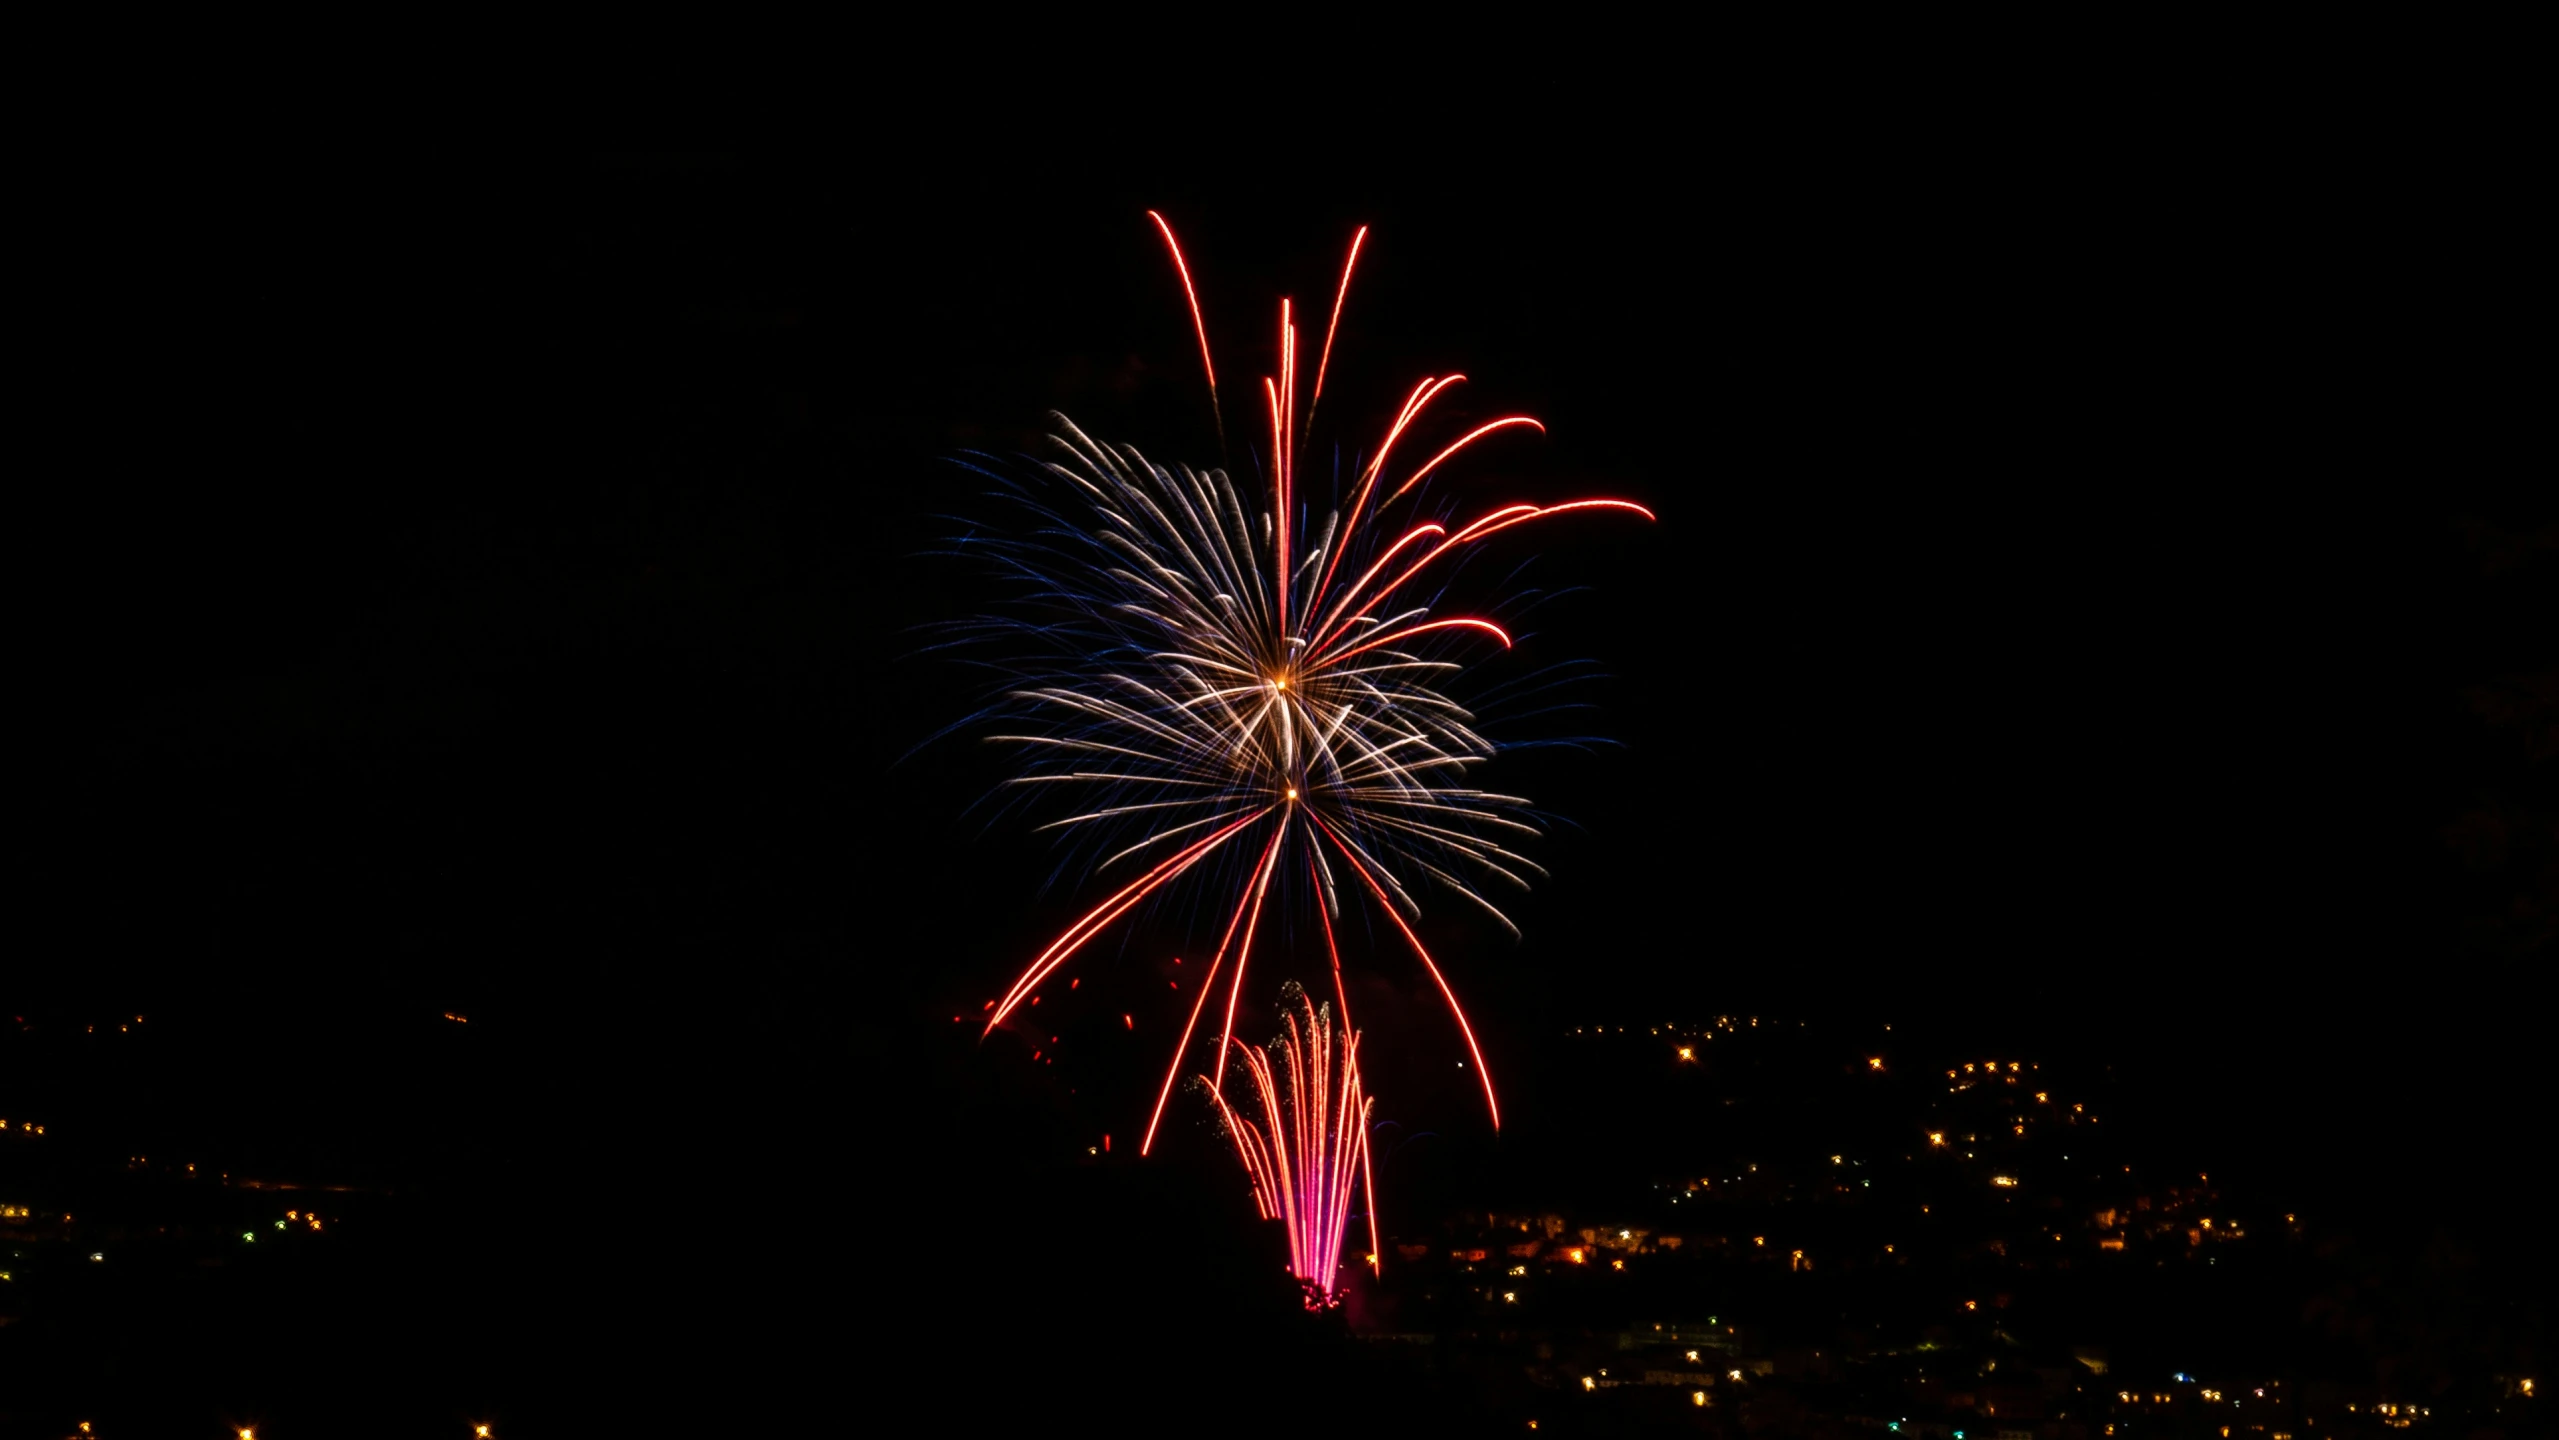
1279	696
1311	1144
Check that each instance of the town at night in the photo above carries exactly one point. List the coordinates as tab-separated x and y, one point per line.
1626	769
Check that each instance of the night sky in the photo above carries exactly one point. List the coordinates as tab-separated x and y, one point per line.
2089	614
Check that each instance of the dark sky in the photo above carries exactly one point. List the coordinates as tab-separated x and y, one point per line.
492	560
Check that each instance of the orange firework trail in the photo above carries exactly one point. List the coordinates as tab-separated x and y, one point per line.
1311	1145
1229	679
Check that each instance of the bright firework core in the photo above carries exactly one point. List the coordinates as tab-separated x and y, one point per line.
1244	679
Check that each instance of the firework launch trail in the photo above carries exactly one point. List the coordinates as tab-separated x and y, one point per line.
1310	1145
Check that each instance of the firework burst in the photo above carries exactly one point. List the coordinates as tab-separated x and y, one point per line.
1232	677
1310	1147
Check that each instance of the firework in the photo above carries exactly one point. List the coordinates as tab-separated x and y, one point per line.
1311	1145
1227	677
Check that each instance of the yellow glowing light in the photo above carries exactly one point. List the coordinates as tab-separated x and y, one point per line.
1692	1357
1510	1297
1686	1053
1875	1063
1574	1255
480	1432
1292	792
1737	1374
248	1434
1696	1397
1937	1137
1280	684
2040	1097
1759	1239
2003	1180
1589	1384
1972	1304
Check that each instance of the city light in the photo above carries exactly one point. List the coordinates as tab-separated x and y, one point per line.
1697	1397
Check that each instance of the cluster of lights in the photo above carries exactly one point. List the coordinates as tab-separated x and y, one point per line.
1728	1023
248	1432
